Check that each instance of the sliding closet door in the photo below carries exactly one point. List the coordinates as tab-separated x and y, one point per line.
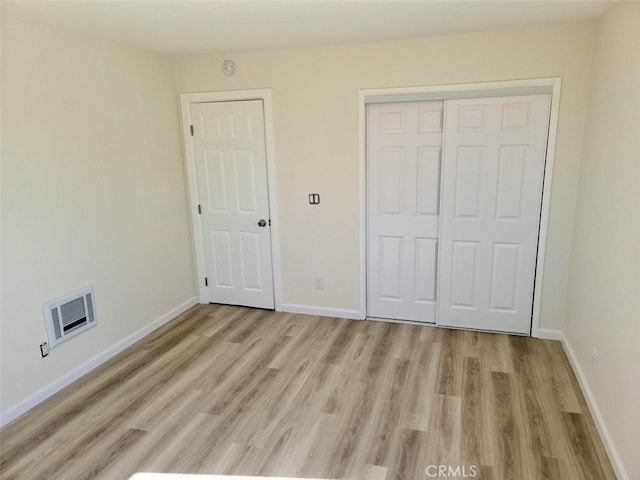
404	143
492	178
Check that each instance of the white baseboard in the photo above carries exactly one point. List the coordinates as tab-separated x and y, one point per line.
14	412
614	457
547	334
321	311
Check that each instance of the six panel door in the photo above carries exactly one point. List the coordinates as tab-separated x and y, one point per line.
493	166
404	143
230	152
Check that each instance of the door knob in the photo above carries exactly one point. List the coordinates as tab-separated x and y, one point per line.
262	223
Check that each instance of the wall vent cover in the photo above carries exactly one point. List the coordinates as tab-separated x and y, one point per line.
67	316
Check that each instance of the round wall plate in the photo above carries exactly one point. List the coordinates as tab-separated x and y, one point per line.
228	68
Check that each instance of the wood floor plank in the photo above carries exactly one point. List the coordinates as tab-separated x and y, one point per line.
423	370
252	376
471	413
495	353
537	428
373	472
389	418
96	461
583	448
159	438
405	462
243	391
449	381
286	444
508	455
445	431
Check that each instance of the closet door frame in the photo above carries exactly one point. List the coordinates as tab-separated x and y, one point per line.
550	85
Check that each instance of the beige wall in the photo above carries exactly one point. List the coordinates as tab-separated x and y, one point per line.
603	302
315	97
93	192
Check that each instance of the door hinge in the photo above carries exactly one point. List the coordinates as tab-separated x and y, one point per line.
206	282
191	128
199	210
269	222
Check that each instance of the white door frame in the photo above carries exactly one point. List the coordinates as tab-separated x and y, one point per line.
186	99
550	85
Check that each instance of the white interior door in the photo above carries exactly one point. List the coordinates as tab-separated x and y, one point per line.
404	143
493	165
231	168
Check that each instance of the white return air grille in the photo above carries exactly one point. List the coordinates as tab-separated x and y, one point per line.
67	316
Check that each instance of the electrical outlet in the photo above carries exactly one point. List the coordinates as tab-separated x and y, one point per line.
318	282
595	360
44	349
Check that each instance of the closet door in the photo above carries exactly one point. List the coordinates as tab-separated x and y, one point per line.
404	143
492	178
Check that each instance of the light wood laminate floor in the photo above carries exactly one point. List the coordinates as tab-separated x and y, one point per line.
232	390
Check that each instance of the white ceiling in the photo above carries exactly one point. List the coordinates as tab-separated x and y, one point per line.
180	26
